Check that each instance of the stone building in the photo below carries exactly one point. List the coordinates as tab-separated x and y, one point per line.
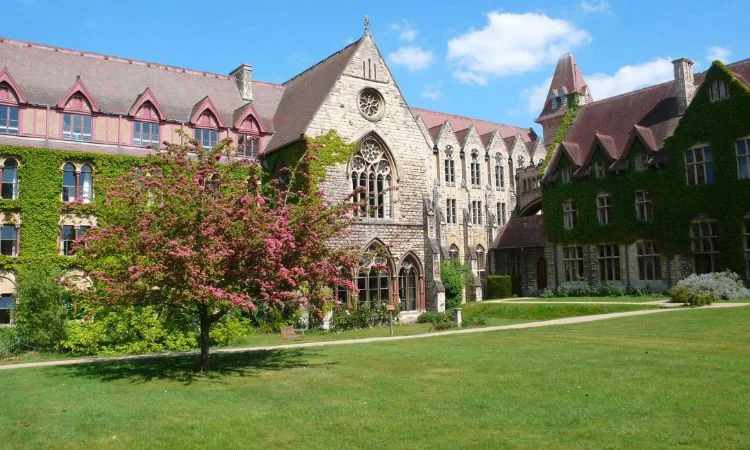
641	189
440	184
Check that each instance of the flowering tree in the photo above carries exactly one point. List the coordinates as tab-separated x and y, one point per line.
191	229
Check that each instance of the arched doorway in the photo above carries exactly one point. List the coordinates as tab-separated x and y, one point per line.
541	273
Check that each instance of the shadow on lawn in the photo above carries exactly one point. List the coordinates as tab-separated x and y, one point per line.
185	369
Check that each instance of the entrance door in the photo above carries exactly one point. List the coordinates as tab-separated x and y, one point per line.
541	273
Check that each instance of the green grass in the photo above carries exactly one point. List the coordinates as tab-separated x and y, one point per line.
668	380
543	311
623	298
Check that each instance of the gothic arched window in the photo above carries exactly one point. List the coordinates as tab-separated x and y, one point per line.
374	278
407	285
372	181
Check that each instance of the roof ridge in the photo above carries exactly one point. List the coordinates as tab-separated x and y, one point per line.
321	62
119	59
653	86
467	117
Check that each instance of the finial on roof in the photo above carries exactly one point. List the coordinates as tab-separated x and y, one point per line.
78	76
367	24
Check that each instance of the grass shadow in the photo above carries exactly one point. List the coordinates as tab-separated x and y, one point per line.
186	369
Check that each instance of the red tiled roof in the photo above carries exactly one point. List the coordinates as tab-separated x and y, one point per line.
521	232
434	118
649	114
567	75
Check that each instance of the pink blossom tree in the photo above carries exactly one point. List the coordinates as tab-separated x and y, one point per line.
191	229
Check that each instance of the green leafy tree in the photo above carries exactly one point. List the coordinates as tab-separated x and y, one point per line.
455	276
41	311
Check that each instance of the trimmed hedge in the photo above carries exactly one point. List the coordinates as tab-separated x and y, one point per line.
499	286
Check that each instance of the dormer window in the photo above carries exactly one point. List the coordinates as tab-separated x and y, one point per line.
598	169
719	90
206	130
77	127
8	110
565	174
248	138
146	127
641	162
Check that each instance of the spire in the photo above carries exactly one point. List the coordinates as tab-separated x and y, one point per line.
566	80
367	25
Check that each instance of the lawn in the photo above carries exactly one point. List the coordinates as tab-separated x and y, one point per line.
620	299
675	379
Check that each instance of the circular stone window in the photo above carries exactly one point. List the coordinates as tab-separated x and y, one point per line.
371	104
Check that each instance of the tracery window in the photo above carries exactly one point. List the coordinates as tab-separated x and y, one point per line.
453	253
371	104
499	171
374	280
372	180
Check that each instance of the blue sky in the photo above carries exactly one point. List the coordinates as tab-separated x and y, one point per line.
490	60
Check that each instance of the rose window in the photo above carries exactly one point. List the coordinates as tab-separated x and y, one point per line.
371	104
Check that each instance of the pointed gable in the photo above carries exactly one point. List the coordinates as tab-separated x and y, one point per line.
78	99
304	94
205	115
247	120
146	107
567	79
9	92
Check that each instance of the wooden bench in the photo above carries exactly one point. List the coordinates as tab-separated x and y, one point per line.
290	334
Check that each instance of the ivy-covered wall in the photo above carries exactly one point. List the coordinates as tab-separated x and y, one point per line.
40	204
727	200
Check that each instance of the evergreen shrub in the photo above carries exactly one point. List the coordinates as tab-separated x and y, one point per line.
499	286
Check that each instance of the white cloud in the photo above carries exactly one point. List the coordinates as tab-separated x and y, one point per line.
593	6
412	57
505	46
406	31
625	79
433	91
716	52
536	96
629	78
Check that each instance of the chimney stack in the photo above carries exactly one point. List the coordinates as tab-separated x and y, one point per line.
684	85
243	76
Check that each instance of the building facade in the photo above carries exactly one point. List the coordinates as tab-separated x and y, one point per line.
641	189
438	185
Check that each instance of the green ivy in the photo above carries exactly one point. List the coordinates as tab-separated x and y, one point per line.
40	201
675	204
331	150
568	119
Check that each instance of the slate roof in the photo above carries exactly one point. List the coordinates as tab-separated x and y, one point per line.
304	94
45	74
521	232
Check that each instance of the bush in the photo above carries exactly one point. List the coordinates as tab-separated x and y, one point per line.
474	321
455	277
714	286
364	316
131	330
439	321
229	328
683	294
8	342
41	311
499	286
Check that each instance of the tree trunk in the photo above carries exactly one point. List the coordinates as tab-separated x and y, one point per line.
205	341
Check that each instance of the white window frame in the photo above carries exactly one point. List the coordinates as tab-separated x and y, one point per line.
743	161
573	262
649	260
702	170
644	208
604	208
704	240
608	257
570	214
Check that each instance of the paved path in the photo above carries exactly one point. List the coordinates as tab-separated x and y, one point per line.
518	326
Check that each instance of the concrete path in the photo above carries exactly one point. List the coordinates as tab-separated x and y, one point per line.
518	326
